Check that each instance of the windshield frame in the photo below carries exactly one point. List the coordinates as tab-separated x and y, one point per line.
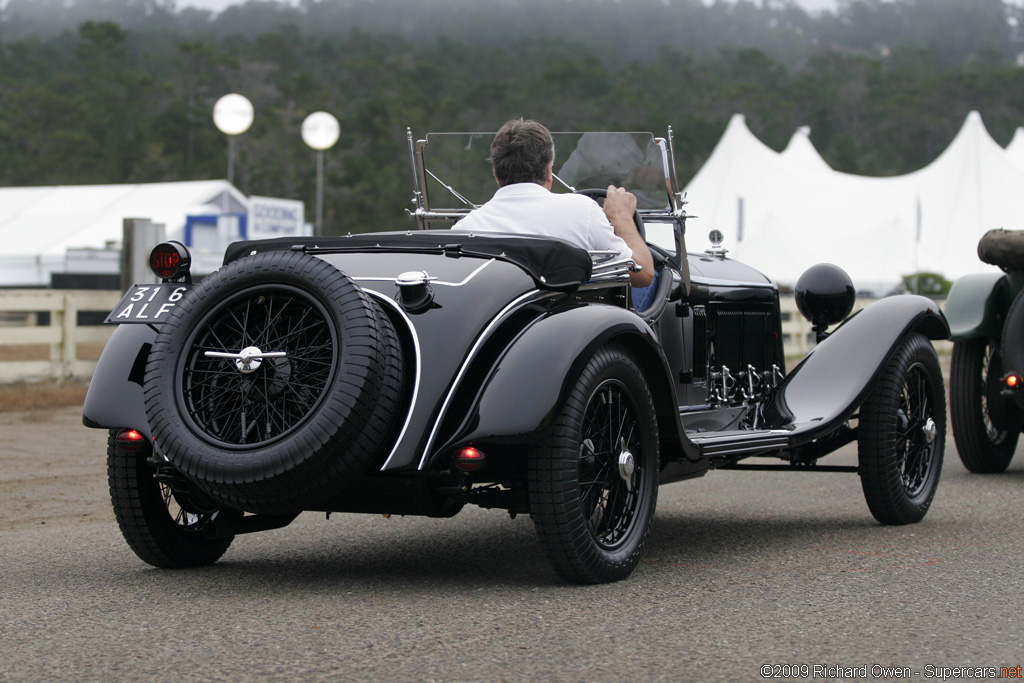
437	200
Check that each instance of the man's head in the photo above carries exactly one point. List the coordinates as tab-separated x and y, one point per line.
522	152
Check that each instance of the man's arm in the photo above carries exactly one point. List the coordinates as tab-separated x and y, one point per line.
620	207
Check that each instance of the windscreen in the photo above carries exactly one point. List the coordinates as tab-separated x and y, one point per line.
459	177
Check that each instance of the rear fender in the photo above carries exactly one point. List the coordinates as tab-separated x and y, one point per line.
977	305
825	390
523	394
114	399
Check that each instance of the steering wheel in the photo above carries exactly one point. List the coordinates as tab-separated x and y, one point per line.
598	193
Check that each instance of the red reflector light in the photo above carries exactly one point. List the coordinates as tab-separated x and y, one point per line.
169	260
130	440
1012	381
469	459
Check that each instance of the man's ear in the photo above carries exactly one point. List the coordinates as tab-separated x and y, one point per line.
495	176
549	175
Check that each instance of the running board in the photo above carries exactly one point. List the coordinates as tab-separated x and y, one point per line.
793	468
740	441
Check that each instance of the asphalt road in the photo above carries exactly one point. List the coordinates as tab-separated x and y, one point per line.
742	570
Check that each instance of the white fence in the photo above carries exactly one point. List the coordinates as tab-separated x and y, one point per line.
33	348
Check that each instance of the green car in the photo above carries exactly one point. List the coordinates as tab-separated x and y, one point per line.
986	322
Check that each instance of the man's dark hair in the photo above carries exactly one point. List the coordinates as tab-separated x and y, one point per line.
521	152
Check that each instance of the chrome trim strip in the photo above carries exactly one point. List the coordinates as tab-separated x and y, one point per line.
465	365
666	168
416	381
607	267
433	282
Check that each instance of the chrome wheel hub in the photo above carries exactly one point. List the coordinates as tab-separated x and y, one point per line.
929	430
248	359
626	466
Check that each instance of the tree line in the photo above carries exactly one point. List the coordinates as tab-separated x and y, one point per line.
120	91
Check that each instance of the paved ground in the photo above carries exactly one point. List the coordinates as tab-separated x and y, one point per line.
743	569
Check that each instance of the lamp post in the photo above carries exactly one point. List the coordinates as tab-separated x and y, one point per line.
320	131
232	114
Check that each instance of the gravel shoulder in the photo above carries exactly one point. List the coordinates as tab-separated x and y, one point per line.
52	469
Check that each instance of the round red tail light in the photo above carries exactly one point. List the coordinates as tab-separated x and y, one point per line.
130	440
170	260
469	459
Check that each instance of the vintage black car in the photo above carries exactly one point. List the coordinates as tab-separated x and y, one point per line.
418	371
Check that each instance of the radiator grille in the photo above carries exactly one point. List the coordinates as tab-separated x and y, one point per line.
745	338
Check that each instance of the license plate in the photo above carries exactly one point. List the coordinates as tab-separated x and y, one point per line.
148	303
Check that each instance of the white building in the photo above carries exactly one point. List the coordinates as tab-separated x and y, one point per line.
78	228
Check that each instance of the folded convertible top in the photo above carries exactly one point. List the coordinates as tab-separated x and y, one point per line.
552	263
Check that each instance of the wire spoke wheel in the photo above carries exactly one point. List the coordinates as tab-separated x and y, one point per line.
188	521
609	499
902	434
237	404
994	435
916	436
593	481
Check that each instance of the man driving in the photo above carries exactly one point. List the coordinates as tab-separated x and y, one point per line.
522	156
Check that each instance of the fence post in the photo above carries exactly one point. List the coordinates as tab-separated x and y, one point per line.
69	349
139	236
57	350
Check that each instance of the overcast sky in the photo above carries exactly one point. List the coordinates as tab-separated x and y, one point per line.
217	5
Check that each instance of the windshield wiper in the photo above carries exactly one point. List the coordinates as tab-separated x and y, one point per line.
450	189
564	184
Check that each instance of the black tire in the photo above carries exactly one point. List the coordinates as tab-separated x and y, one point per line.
283	434
592	526
902	434
974	381
162	527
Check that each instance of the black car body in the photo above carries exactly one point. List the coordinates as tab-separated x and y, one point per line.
415	372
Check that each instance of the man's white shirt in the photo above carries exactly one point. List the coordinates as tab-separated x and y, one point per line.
531	210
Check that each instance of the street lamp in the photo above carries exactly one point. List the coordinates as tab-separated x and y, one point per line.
232	114
320	131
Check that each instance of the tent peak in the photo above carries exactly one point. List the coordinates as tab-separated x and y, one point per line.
802	152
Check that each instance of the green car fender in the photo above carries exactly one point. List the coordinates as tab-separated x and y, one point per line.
977	305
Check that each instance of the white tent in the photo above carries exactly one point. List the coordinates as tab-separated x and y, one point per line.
800	152
784	212
1015	150
39	225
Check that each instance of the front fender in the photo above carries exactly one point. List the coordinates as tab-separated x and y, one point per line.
528	385
834	379
977	305
114	399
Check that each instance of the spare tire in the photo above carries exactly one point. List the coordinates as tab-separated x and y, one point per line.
274	380
1003	248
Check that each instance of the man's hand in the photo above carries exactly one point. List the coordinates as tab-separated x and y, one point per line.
620	207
